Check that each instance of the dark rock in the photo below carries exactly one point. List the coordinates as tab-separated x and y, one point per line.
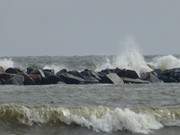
30	70
106	71
38	72
16	80
1	82
169	76
90	76
49	72
151	77
2	70
61	71
37	79
41	73
13	71
28	80
131	80
52	79
128	76
126	73
4	77
167	79
75	73
121	73
104	78
115	79
69	78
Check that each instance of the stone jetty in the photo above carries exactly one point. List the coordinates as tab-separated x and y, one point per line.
117	76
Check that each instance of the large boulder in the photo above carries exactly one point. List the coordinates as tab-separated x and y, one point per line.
131	80
128	76
28	79
61	72
48	72
75	73
151	77
90	76
105	79
51	79
36	78
69	78
30	70
4	77
106	71
126	73
115	79
16	80
38	72
2	70
14	71
169	76
121	73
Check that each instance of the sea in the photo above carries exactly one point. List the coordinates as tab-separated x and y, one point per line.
93	109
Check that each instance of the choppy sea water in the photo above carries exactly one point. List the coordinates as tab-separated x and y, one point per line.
97	109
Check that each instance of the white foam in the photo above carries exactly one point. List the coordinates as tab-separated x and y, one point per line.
6	63
131	58
96	118
106	65
119	119
165	62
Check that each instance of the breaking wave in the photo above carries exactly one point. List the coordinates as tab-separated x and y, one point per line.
133	60
99	118
165	62
130	57
6	63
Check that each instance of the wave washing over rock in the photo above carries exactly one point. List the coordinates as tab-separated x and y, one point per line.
165	62
130	66
6	63
129	59
126	60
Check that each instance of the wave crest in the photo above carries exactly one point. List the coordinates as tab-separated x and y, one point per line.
165	62
6	63
97	118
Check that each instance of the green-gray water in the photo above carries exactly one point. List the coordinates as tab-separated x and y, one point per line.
87	109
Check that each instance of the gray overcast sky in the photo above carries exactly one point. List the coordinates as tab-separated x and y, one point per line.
83	27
